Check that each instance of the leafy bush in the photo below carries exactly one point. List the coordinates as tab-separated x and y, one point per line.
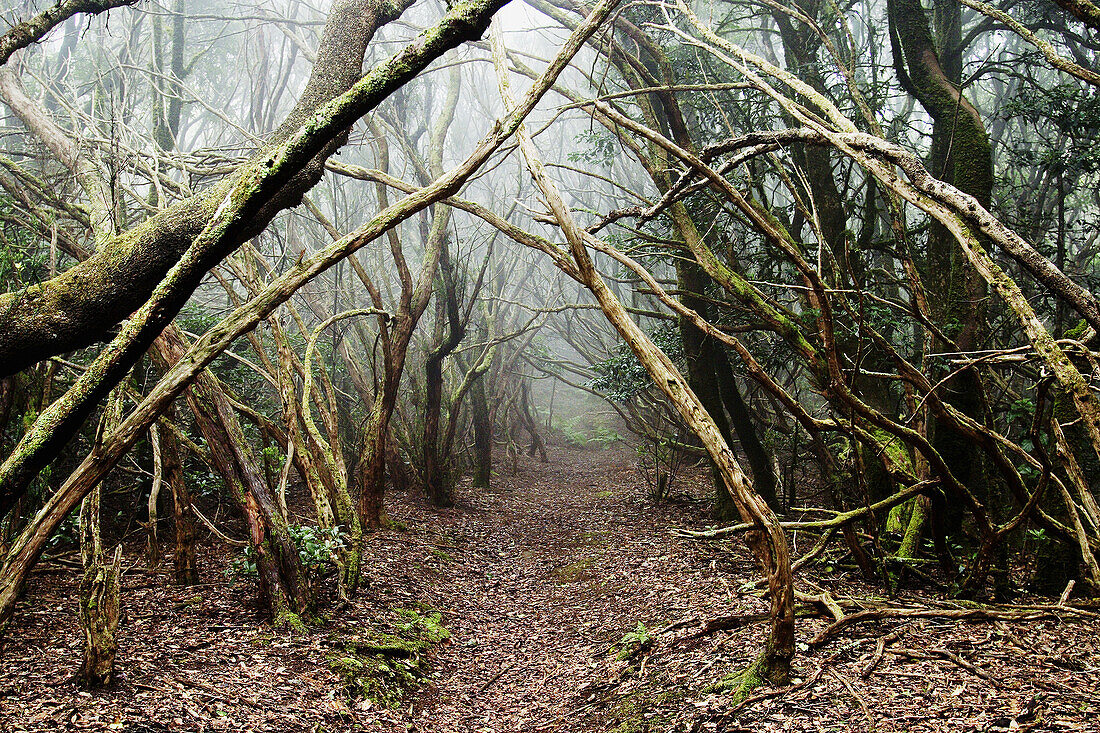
584	435
317	549
622	377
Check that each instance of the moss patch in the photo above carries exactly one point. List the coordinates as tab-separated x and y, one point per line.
574	572
639	713
384	664
741	683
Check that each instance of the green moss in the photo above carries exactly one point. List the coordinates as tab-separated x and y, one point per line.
262	639
637	713
910	542
574	572
898	518
383	665
629	713
290	621
895	450
1077	331
742	683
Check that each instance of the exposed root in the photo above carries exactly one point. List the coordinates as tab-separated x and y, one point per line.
1022	613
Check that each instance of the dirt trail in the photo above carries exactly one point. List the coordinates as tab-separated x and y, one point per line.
535	578
541	574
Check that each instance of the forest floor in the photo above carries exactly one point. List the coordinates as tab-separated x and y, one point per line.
558	587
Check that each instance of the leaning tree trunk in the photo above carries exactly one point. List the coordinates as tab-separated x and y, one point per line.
283	580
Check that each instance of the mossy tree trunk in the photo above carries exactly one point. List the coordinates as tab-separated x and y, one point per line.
930	68
100	611
483	436
98	594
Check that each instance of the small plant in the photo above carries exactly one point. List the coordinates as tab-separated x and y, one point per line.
242	565
659	462
66	534
634	642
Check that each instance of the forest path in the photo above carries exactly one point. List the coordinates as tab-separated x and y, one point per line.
537	577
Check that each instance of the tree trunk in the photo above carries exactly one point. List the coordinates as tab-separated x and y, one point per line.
99	617
531	424
483	436
99	587
152	541
184	562
960	156
371	470
437	480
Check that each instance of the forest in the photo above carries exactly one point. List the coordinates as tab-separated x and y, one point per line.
549	365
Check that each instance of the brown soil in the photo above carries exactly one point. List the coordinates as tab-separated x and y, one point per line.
538	580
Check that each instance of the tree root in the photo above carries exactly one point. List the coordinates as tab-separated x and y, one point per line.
981	613
742	683
774	693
